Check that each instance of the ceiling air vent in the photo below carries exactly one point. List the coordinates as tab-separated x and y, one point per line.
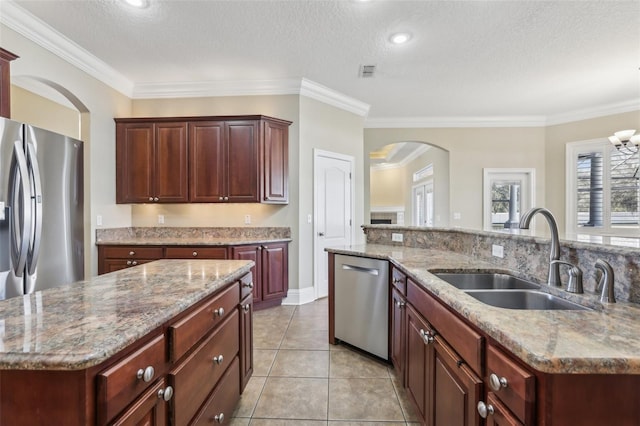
367	71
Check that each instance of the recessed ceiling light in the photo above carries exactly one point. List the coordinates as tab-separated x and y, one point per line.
140	4
400	38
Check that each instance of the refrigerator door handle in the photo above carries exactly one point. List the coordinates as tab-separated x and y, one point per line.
20	240
34	249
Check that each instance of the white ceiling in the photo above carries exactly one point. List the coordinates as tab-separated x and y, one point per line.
467	60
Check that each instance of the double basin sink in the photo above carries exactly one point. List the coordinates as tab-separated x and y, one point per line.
506	291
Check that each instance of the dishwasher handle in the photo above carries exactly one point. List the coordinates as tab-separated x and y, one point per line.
371	271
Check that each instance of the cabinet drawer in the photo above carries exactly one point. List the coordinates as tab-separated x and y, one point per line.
123	382
399	280
190	329
512	384
465	341
194	379
196	253
220	405
246	285
133	252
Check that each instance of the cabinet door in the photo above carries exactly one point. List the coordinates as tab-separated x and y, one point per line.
242	161
274	154
134	162
456	390
246	341
250	252
275	271
171	161
207	152
398	305
148	410
419	361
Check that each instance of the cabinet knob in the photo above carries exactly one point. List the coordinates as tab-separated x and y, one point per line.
165	393
218	359
426	336
485	409
248	285
246	308
128	263
146	374
195	254
156	199
150	198
221	198
496	383
134	263
397	280
132	253
400	304
218	312
226	198
219	418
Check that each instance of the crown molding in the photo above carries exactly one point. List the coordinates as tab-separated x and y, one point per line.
39	32
448	122
328	96
216	88
599	111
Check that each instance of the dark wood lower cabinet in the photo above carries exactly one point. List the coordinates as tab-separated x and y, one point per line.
419	362
246	341
148	410
398	332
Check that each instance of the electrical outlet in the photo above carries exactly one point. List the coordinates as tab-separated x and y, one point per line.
397	237
99	220
309	218
497	251
161	219
247	219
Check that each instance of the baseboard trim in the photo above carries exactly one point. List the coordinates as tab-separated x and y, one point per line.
300	296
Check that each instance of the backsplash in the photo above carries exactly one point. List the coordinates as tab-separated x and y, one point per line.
525	254
115	234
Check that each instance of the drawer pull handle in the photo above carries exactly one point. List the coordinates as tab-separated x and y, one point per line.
246	307
219	417
146	374
218	359
132	253
218	312
496	383
426	336
165	393
195	254
249	285
485	409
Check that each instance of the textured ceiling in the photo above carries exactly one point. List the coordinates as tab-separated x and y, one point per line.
466	58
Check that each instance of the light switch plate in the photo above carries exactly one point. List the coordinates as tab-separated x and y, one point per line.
497	251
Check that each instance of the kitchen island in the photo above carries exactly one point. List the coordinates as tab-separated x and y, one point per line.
460	357
129	345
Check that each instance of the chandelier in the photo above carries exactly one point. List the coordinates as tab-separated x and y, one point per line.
625	141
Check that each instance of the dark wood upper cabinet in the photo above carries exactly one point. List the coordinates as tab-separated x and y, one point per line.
151	162
226	159
5	82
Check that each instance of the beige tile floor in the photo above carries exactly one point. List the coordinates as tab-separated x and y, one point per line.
299	379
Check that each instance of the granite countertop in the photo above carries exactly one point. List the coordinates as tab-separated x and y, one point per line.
603	341
191	241
80	325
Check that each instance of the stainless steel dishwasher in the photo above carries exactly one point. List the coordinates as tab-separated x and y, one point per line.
362	303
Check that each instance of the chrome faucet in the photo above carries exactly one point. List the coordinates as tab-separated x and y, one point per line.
554	256
607	280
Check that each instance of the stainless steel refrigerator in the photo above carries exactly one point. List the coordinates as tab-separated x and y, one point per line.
41	209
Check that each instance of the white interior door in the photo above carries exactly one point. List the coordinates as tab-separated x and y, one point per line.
333	205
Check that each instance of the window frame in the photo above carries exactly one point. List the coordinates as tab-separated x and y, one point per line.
572	150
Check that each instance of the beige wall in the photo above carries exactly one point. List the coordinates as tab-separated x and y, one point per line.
28	107
96	105
330	129
388	187
471	150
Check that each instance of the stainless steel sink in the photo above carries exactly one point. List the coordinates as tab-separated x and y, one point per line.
485	281
523	299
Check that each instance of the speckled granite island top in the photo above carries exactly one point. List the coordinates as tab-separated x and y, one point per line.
603	341
80	325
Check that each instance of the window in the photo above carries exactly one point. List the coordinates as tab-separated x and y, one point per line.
507	194
602	188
